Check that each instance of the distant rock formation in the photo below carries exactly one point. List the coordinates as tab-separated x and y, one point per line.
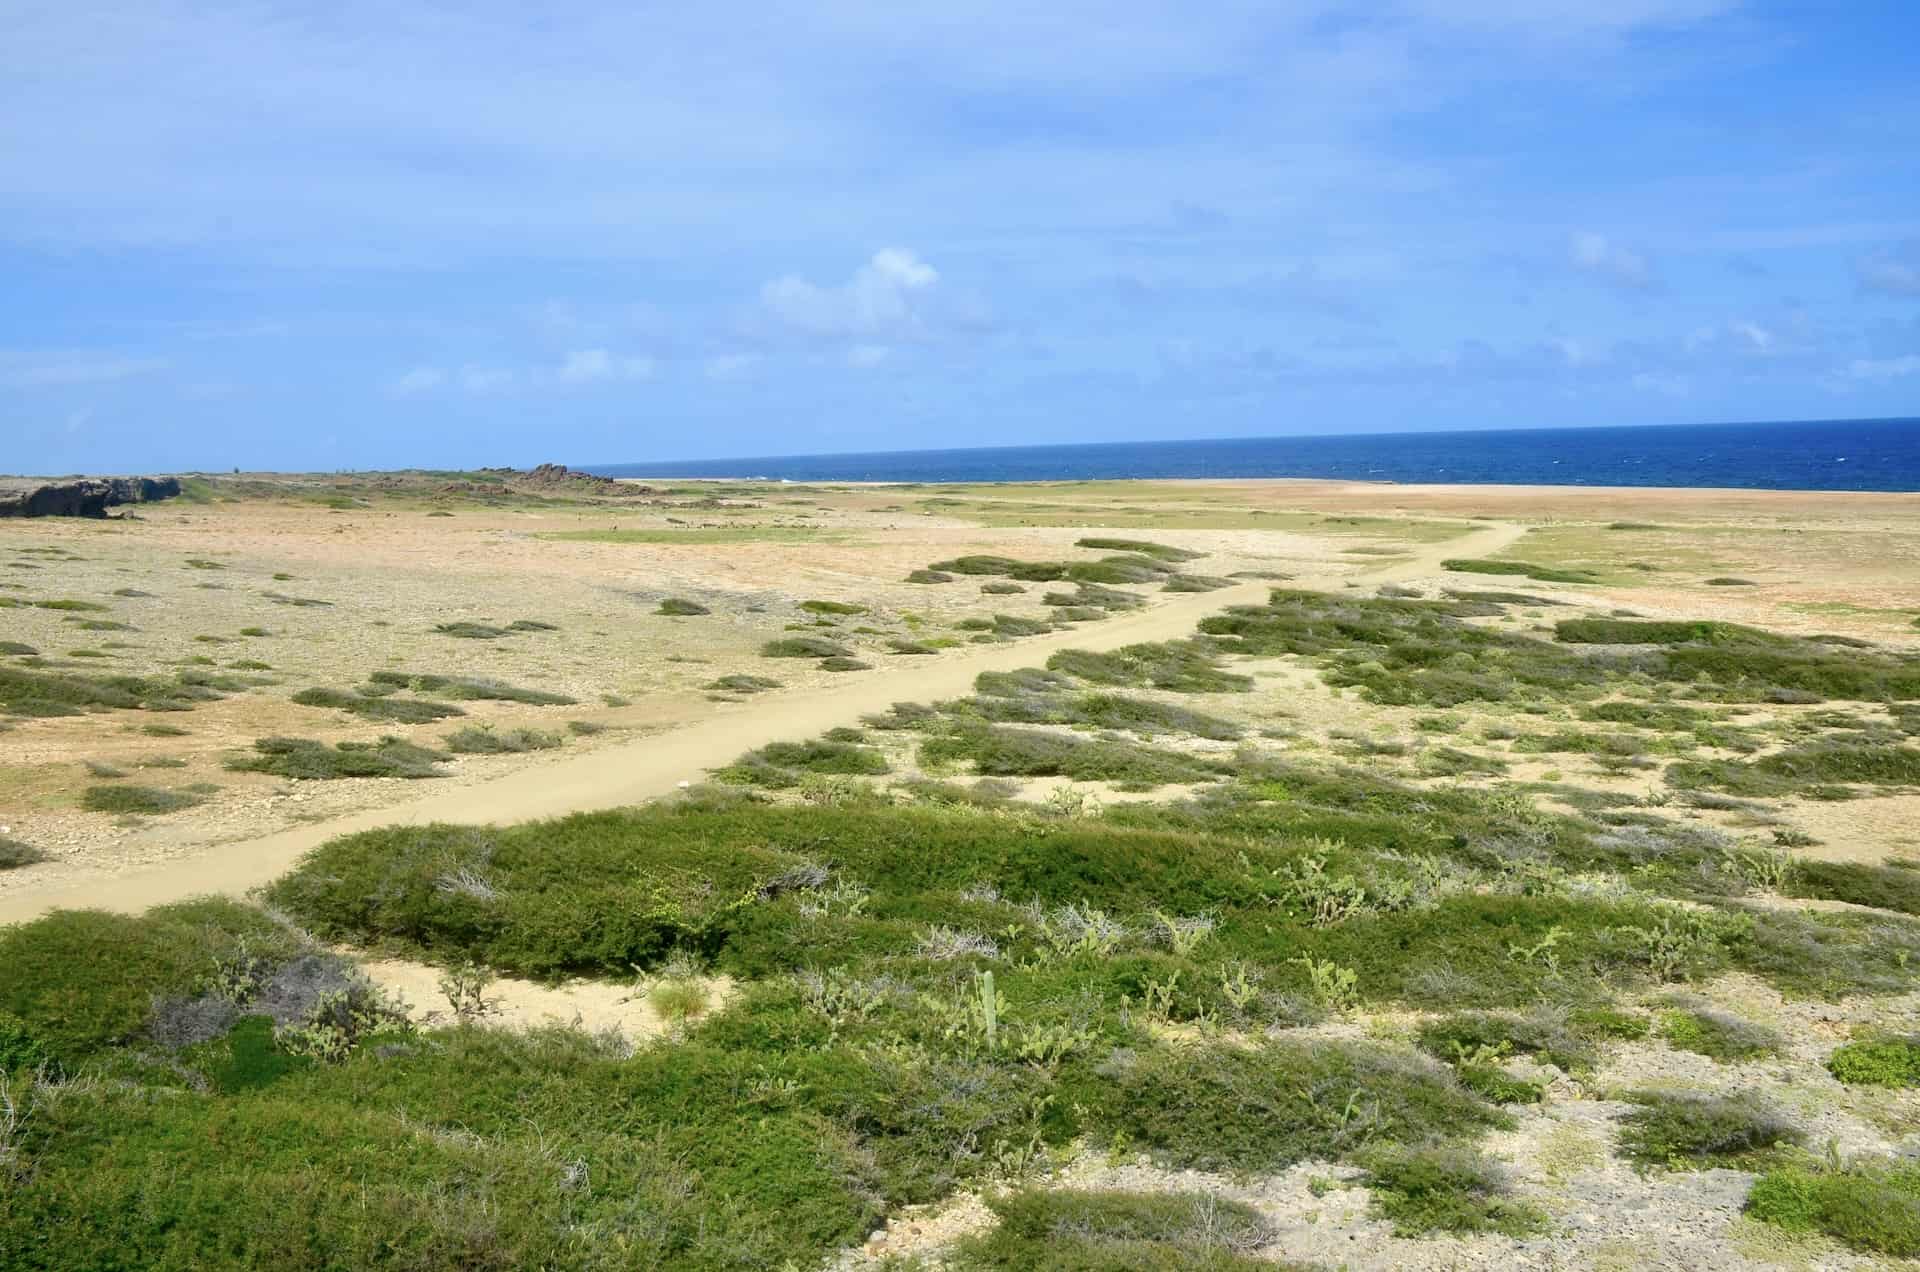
82	496
555	479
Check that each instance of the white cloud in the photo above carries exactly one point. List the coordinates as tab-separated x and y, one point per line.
867	355
586	366
1615	263
885	297
25	369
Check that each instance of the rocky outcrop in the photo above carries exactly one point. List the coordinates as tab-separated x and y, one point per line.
82	496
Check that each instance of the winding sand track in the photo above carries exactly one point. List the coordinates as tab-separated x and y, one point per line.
647	768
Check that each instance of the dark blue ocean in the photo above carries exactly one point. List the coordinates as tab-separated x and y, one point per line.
1801	455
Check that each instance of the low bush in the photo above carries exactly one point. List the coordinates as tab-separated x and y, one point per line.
1194	583
1079	1230
1856	882
844	662
383	708
14	854
483	739
1717	1035
1885	1062
1001	588
466	688
1007	752
1140	547
471	631
738	683
1869	1206
832	607
804	647
1685	1130
1538	573
144	800
306	759
1263	1108
1181	666
1444	1188
929	576
680	607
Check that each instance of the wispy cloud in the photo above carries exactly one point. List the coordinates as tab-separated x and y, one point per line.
1611	262
1892	274
579	369
27	369
590	366
886	296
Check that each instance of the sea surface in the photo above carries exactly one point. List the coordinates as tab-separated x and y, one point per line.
1799	455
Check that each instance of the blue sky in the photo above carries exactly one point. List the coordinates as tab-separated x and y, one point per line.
351	234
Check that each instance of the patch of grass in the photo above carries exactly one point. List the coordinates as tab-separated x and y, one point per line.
1868	1206
1550	1036
700	535
299	602
832	607
70	606
1689	1130
163	731
531	625
680	607
1883	887
143	800
843	662
464	630
1538	573
14	854
804	647
1724	581
1814	769
307	760
1078	1230
1194	583
1444	1188
1502	598
929	576
484	739
1000	587
1884	1062
383	708
18	648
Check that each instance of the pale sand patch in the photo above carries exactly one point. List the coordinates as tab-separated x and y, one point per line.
596	1006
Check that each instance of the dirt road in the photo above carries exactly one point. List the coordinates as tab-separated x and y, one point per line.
650	767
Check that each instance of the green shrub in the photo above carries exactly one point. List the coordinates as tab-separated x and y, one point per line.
844	662
1553	1038
531	625
1538	573
81	980
1195	583
1717	1035
680	607
1140	547
1263	1108
1682	1130
1873	1207
486	740
471	631
742	684
1183	666
929	576
383	708
464	688
840	757
14	854
1883	887
306	759
136	799
1887	1062
1078	1230
804	647
1004	752
832	607
1446	1189
1001	588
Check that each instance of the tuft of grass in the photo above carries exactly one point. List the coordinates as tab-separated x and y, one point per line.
484	739
680	607
929	576
844	662
1445	1188
1885	1062
1724	581
531	625
1683	1130
832	607
739	683
307	759
136	799
1140	547
1868	1206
